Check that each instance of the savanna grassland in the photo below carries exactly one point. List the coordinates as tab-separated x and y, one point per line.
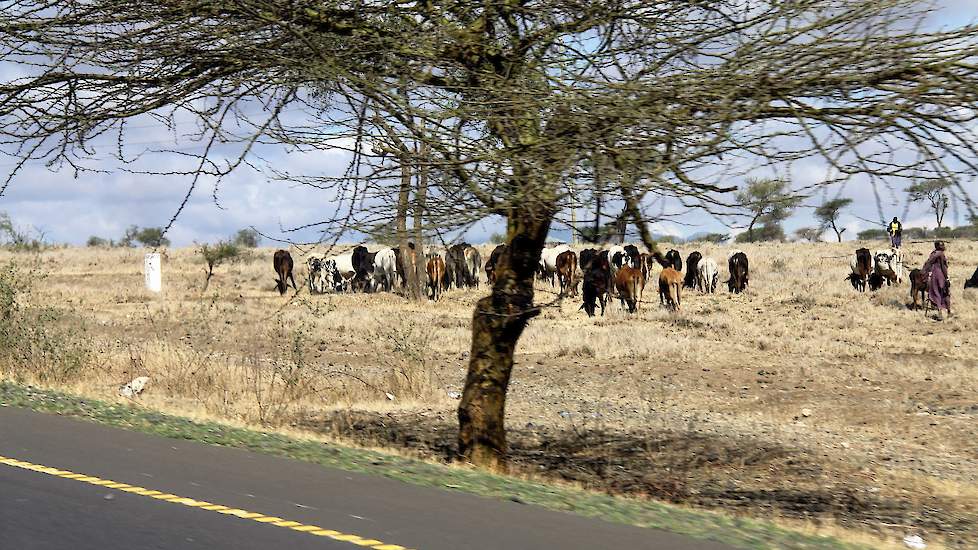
800	399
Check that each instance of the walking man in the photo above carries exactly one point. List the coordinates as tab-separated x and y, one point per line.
938	282
895	229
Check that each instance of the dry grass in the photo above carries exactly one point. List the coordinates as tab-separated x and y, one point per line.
703	407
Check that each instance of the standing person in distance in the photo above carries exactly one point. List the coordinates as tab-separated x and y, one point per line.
895	229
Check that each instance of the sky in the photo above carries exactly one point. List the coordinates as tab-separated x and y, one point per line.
69	209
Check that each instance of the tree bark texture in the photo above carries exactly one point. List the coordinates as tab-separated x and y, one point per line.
497	324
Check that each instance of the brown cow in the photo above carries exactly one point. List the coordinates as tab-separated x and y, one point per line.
566	271
630	284
918	287
492	261
282	262
670	286
436	276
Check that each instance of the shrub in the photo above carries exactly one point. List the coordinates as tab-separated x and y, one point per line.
217	254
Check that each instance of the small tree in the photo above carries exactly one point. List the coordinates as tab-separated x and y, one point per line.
146	236
810	234
933	192
247	238
828	215
768	202
216	254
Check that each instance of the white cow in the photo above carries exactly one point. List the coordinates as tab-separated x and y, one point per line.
338	271
385	269
548	262
707	275
889	264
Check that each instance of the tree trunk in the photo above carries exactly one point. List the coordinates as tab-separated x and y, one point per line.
420	199
497	323
403	198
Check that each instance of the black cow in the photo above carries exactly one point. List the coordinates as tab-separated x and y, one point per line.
739	272
363	264
634	256
597	275
461	265
692	265
674	260
282	262
876	281
492	261
973	281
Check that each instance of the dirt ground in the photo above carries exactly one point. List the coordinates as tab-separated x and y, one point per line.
800	398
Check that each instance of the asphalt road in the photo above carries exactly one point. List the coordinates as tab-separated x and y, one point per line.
42	510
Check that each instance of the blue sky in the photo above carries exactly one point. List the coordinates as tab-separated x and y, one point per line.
67	209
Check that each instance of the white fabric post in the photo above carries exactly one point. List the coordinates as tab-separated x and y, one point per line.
152	268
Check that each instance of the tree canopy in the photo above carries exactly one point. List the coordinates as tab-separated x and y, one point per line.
491	108
828	214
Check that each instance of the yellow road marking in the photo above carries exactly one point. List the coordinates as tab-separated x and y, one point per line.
202	505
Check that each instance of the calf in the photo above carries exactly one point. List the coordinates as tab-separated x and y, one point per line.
436	276
597	271
282	262
629	283
566	269
670	287
876	281
692	269
973	281
918	288
492	261
739	272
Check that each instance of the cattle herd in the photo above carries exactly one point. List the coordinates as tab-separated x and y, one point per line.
620	271
617	272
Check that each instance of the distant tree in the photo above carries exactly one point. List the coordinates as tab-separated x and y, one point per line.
95	241
871	234
217	254
247	238
810	234
768	202
146	236
828	215
934	192
497	238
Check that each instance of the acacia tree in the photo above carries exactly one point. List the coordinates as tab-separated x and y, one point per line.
828	214
769	202
507	98
935	193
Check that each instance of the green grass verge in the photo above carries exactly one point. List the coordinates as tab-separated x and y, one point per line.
737	532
